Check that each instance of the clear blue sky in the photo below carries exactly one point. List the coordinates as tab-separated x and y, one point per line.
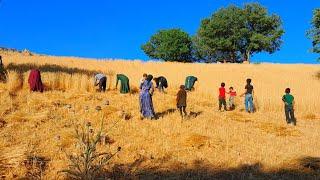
116	29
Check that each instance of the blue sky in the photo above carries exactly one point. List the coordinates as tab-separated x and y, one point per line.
116	29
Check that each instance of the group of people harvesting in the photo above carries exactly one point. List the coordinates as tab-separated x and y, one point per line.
147	88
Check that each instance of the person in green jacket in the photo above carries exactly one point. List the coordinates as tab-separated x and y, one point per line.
288	101
124	88
190	81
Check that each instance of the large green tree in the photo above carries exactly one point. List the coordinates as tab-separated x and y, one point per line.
314	33
236	33
169	45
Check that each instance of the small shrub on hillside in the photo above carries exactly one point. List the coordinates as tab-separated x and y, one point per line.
88	163
318	75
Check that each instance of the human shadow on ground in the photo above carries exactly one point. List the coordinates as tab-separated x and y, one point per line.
22	68
193	115
304	168
164	113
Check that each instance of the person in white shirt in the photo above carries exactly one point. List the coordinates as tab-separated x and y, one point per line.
101	80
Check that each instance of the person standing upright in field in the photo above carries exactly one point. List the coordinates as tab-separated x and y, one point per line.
182	101
222	97
232	95
248	94
124	88
145	98
144	77
288	100
101	80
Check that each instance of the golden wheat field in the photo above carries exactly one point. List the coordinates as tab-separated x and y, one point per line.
208	145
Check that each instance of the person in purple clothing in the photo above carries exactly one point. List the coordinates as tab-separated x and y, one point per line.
146	105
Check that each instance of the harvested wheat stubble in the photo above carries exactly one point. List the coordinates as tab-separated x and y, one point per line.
208	145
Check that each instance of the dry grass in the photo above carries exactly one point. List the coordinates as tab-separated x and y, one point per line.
208	145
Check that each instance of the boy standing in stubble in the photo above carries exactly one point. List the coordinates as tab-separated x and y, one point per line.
288	100
222	97
182	101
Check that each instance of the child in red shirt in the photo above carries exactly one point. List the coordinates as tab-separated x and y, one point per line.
232	96
222	97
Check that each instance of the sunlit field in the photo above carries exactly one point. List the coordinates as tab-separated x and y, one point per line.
208	144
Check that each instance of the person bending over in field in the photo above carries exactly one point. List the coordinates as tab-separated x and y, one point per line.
222	97
145	98
248	94
101	80
232	95
288	100
35	81
161	83
190	81
124	88
182	101
3	72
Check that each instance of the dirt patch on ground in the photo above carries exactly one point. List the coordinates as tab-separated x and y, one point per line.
196	140
239	117
279	130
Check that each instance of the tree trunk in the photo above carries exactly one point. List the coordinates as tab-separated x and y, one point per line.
246	56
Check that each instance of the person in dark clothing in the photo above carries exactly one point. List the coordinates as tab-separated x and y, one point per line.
182	101
101	80
222	97
190	81
248	94
3	72
161	83
288	100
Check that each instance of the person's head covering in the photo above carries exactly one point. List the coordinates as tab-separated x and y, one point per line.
149	77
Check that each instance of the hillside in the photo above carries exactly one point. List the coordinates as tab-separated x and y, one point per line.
209	144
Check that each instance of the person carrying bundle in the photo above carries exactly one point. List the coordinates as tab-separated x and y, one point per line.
35	81
190	81
124	88
101	80
161	83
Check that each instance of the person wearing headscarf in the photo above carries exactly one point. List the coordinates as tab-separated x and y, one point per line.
144	77
161	83
190	81
124	87
35	81
146	104
101	80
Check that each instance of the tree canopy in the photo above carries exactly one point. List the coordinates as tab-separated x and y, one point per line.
235	34
314	33
169	45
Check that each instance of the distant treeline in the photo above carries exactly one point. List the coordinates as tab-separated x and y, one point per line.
231	34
